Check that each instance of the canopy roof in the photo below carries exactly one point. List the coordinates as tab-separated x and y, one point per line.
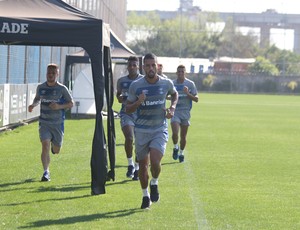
118	48
55	23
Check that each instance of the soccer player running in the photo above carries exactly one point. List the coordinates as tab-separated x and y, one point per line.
127	120
147	96
187	93
54	98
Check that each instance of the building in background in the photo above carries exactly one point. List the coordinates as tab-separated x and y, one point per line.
27	64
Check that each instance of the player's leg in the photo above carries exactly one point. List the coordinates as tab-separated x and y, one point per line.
157	149
45	137
57	138
183	134
128	135
175	131
144	178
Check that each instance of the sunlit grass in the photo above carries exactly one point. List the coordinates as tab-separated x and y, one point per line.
241	172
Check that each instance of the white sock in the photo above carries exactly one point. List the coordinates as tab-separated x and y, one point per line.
154	181
130	161
145	192
181	152
136	166
176	146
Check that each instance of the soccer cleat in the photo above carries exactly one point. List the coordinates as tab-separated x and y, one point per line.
130	171
46	176
146	202
175	154
135	175
181	158
154	195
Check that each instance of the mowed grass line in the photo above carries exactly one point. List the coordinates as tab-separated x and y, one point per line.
241	172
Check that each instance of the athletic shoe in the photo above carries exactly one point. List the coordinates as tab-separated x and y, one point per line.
175	154
46	176
135	175
154	195
181	158
146	203
130	171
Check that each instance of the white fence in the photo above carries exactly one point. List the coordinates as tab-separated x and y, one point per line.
14	101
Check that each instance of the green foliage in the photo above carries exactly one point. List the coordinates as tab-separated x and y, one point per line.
149	20
179	36
292	85
263	66
208	81
287	62
235	44
189	36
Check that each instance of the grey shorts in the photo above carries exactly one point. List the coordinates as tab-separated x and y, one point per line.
181	117
126	120
52	132
145	141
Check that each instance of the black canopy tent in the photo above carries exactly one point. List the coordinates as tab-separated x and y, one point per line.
55	23
119	51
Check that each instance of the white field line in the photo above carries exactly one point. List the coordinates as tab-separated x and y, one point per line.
199	214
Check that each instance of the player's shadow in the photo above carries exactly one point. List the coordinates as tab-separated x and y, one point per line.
170	163
17	183
81	218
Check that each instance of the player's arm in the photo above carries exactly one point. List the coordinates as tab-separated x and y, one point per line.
119	95
174	100
193	97
132	106
189	95
56	106
119	92
36	102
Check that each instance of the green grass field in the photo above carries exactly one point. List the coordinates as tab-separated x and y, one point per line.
242	171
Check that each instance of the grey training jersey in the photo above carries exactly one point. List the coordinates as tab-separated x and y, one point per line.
123	86
184	103
151	113
47	94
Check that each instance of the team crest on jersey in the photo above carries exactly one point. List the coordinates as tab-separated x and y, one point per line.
160	91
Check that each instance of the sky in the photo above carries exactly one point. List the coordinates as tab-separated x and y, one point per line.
281	38
238	6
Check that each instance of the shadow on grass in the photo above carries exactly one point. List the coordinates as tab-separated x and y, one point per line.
46	200
51	188
17	183
82	218
63	188
170	163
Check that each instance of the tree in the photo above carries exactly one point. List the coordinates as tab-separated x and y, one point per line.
286	61
263	66
180	36
235	44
